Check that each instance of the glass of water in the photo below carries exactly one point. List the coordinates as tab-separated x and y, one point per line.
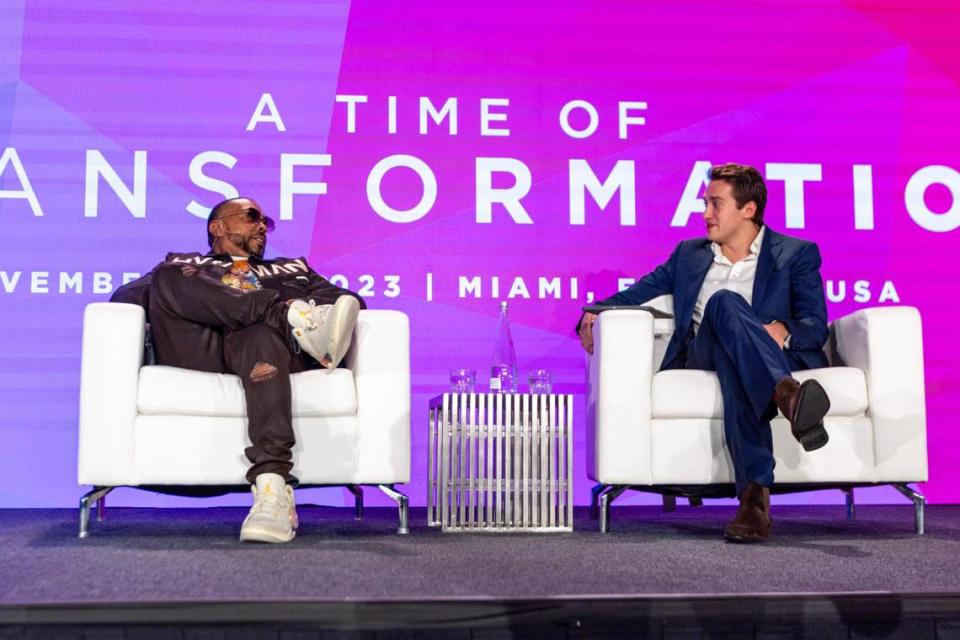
541	381
463	380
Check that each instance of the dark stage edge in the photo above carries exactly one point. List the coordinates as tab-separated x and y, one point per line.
181	574
767	616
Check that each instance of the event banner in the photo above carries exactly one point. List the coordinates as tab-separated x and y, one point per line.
440	158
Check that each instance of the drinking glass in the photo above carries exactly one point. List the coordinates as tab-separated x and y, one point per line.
463	380
541	381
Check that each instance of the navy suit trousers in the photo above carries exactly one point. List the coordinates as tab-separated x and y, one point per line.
732	341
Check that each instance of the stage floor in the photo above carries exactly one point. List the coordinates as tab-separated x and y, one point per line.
181	573
192	555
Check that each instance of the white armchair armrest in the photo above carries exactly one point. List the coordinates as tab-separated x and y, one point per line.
887	344
110	367
380	360
619	382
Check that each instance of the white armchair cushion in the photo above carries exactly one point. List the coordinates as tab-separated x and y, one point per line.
684	393
184	392
326	451
693	451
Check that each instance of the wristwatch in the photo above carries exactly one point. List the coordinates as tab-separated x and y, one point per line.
786	341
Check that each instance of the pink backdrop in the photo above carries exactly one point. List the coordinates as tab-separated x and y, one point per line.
848	108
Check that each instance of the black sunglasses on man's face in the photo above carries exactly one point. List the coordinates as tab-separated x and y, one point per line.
254	216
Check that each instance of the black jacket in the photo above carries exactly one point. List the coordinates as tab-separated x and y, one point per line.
290	277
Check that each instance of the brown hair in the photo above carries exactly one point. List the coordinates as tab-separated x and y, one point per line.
747	184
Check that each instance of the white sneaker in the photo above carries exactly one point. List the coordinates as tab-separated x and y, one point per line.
324	331
273	517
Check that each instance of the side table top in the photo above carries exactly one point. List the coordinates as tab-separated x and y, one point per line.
489	396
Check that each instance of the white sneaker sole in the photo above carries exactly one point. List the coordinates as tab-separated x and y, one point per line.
256	534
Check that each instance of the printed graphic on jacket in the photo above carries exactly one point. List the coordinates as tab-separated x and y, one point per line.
241	277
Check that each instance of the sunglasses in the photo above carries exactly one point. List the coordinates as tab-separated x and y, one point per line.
254	216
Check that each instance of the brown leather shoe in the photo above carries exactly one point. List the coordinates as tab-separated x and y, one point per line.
752	522
804	405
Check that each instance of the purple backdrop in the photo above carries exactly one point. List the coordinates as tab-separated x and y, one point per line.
439	159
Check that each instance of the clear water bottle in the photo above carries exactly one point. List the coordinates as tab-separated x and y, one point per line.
503	373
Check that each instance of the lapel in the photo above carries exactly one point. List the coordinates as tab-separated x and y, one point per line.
769	253
700	262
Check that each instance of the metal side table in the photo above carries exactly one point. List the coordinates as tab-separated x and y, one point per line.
501	462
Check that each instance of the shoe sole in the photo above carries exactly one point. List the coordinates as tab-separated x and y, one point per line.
344	314
815	439
746	539
254	534
812	405
739	539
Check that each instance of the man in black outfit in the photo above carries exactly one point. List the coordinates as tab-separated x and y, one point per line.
232	311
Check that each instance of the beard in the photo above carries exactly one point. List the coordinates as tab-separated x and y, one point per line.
253	245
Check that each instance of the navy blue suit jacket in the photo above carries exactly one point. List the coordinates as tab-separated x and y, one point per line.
787	287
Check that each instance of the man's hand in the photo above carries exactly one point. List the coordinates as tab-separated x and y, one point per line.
586	331
777	331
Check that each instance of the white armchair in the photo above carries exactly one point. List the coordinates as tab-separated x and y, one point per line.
663	431
352	424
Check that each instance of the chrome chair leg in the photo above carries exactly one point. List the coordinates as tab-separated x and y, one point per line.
401	501
95	495
606	498
919	502
101	508
595	492
851	506
357	492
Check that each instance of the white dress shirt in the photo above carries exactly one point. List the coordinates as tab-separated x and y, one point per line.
734	276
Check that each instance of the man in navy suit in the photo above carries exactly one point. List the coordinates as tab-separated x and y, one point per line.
748	304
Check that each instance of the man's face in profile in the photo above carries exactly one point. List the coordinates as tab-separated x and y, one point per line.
724	220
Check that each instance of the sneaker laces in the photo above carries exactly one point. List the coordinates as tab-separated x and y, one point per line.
315	315
269	502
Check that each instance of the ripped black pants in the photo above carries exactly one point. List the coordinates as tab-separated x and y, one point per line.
200	323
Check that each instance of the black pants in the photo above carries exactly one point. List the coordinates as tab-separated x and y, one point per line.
200	323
